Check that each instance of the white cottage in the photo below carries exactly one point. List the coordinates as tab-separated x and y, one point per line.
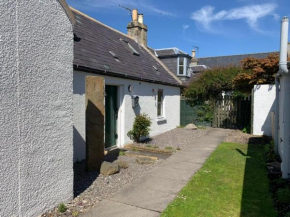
130	70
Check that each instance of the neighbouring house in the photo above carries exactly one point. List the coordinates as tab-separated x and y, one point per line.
36	106
135	81
176	60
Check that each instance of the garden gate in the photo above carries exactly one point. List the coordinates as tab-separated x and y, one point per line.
232	113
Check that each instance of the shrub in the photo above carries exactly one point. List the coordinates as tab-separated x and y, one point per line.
61	208
141	127
121	152
283	195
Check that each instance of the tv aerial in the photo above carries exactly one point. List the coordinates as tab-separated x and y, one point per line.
127	9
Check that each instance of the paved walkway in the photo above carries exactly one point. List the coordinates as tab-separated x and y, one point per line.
150	194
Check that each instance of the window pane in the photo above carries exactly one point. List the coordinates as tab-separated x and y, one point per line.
181	60
160	103
180	70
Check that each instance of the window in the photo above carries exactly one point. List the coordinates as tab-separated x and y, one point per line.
182	68
160	103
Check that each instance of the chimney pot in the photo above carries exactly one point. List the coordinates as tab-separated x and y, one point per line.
140	18
135	15
193	54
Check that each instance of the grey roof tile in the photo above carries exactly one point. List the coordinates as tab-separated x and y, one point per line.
233	60
95	40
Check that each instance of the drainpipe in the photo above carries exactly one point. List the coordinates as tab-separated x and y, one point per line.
276	136
284	46
285	90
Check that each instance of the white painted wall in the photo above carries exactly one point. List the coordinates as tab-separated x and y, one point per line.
263	104
126	115
36	55
283	133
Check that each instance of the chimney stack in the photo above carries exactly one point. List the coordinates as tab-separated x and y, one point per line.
137	29
194	61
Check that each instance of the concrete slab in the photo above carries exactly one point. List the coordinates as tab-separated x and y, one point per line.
171	173
158	183
108	208
150	199
182	165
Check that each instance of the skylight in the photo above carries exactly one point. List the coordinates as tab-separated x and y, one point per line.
134	52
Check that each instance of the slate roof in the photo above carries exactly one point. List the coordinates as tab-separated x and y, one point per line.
167	52
233	60
102	49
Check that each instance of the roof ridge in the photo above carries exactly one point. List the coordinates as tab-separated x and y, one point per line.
239	54
96	21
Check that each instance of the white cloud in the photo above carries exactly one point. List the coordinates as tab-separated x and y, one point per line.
206	16
142	5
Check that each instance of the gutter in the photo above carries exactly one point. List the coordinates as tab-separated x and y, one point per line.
124	76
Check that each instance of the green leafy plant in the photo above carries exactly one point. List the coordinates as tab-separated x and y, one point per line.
246	129
61	208
75	213
141	127
168	148
283	195
121	152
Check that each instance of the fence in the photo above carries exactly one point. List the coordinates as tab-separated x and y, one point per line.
189	114
232	113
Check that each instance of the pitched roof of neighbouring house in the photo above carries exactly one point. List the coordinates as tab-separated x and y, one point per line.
168	52
101	49
233	60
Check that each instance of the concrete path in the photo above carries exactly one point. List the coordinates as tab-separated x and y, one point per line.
150	194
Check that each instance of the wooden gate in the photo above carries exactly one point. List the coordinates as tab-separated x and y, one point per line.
232	113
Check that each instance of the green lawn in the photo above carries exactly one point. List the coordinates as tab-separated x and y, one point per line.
232	182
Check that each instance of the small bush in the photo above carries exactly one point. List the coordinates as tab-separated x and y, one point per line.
283	195
141	127
61	208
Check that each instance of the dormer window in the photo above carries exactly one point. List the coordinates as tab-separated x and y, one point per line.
182	66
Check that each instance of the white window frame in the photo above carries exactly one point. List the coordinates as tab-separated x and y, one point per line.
184	73
162	115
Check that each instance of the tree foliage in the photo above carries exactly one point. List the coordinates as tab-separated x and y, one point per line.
212	82
256	71
240	80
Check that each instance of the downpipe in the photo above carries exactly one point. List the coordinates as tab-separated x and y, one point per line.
276	136
285	90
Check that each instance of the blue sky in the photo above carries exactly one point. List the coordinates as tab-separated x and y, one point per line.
217	27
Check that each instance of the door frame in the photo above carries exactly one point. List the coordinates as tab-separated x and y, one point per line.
120	121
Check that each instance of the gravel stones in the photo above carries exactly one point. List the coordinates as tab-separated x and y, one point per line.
108	168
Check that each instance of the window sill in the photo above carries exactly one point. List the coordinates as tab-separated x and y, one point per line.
183	76
160	119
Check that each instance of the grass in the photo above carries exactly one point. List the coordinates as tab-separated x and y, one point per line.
121	152
233	182
168	148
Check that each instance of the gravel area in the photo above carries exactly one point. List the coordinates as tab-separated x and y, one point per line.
176	138
237	136
92	187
